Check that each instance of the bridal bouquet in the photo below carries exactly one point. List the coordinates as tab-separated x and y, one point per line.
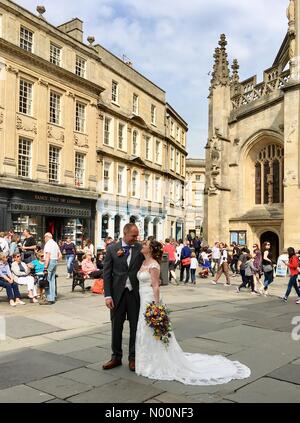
157	318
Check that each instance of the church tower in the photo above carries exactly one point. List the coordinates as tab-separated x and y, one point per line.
217	189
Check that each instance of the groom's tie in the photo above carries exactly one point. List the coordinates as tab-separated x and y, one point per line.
127	250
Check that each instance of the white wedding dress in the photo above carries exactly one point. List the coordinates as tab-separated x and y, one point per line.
155	360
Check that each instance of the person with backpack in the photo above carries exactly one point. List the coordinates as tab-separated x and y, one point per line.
185	259
224	266
248	279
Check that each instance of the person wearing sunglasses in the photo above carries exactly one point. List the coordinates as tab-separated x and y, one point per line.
259	286
21	275
267	265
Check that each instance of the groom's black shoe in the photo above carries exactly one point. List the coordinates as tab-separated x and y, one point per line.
132	364
114	362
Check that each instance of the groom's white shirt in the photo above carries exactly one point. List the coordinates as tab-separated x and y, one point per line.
128	283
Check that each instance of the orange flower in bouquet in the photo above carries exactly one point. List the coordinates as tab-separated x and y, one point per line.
157	318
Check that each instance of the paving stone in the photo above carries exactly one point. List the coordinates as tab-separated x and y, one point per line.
23	394
28	365
166	397
288	373
22	327
57	401
91	355
117	392
297	362
267	390
90	376
206	346
70	345
60	387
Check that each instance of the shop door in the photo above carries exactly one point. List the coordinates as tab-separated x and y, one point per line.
55	226
273	239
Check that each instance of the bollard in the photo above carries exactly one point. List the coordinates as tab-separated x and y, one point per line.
164	269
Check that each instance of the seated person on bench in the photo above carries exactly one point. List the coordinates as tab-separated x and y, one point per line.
7	282
89	269
21	275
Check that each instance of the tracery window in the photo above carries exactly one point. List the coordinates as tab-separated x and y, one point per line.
269	175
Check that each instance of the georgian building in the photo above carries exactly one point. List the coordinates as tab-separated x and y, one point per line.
194	196
86	138
252	188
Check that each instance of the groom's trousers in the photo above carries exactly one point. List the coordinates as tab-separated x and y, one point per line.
127	308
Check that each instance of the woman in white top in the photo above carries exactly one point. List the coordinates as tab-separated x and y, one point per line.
224	267
21	275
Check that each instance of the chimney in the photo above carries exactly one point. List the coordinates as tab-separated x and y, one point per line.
74	28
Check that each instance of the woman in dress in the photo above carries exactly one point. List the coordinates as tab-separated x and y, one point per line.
267	265
154	359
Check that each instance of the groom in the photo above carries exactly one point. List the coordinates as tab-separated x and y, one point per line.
121	288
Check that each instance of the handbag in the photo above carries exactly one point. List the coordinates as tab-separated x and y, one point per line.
186	261
267	268
43	282
98	286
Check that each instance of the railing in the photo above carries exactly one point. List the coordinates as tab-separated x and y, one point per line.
248	91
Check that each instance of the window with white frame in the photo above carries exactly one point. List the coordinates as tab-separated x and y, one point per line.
182	137
135	104
107	130
121	180
115	92
55	54
134	184
172	190
177	162
54	164
158	151
157	189
147	187
178	192
177	133
26	39
182	165
79	169
153	114
80	117
80	66
25	97
24	158
135	136
172	129
148	148
121	133
55	107
106	176
172	158
198	178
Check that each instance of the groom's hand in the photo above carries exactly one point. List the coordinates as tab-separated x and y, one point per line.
109	303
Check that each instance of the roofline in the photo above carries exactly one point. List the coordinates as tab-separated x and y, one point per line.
176	114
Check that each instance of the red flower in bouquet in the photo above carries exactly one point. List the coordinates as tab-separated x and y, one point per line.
157	318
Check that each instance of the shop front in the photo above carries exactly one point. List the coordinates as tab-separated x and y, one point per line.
40	213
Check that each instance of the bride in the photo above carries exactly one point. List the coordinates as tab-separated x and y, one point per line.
154	359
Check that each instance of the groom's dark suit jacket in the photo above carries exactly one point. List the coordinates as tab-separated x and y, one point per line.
116	271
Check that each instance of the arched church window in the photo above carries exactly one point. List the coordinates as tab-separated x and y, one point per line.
269	167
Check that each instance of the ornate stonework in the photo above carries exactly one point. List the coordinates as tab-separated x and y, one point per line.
60	137
20	126
220	74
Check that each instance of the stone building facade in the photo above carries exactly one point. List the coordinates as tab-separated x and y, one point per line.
85	142
252	189
194	196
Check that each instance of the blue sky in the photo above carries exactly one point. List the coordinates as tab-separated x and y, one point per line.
172	42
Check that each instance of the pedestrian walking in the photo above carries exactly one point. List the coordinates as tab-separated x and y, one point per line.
267	265
224	266
250	270
69	249
293	265
185	259
193	268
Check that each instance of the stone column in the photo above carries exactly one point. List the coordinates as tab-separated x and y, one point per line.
291	136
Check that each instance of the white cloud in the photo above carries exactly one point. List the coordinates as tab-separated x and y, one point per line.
173	42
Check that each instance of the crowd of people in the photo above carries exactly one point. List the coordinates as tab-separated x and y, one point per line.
27	263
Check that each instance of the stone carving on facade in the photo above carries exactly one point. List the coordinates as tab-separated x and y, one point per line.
290	13
220	75
60	137
292	35
10	68
290	179
291	132
80	144
1	118
42	82
19	125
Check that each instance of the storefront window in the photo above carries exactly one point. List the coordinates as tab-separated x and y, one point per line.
33	223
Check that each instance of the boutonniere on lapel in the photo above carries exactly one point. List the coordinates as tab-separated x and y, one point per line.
121	252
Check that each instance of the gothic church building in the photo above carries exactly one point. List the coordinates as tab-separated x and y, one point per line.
252	191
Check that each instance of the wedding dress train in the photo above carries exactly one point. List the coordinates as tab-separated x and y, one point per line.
155	360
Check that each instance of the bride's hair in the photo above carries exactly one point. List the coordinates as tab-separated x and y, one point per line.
156	250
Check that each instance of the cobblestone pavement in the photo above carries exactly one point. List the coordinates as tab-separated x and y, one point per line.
55	353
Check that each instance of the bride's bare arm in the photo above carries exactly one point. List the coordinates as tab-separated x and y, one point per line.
155	283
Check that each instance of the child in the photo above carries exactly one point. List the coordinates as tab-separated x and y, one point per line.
249	274
193	268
